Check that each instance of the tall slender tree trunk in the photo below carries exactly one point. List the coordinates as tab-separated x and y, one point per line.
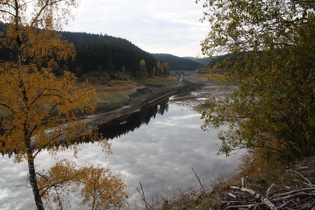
33	181
30	156
32	174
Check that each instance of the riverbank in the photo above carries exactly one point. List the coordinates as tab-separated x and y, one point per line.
122	99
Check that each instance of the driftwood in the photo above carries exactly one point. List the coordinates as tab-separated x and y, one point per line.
287	198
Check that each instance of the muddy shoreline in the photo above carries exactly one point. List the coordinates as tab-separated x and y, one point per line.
149	93
188	94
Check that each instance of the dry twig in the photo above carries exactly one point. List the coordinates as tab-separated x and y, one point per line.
243	197
141	192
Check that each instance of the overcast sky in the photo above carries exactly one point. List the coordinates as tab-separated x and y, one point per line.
156	26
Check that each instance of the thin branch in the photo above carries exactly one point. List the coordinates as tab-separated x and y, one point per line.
147	205
8	107
38	96
48	143
42	9
5	11
309	183
201	185
295	192
33	130
268	191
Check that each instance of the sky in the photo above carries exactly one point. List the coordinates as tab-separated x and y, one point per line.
156	26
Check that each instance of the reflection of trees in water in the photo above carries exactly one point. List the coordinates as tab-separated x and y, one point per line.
116	127
127	123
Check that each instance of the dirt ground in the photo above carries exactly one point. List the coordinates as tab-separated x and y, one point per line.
197	97
144	95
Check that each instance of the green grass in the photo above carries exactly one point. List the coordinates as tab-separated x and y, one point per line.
117	92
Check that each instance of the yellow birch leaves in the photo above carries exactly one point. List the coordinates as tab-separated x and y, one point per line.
40	102
97	187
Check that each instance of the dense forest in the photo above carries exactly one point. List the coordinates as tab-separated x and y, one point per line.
115	56
102	57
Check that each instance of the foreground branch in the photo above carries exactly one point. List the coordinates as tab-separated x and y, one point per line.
243	197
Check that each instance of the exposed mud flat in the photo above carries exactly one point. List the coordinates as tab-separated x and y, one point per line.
197	97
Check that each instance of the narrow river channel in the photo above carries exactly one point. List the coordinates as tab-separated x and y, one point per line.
157	146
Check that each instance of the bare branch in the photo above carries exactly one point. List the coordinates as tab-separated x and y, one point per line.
309	183
5	11
8	107
42	9
201	185
141	192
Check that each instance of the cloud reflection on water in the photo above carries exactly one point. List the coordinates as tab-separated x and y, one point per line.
160	155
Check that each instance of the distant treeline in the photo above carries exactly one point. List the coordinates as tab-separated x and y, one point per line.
180	63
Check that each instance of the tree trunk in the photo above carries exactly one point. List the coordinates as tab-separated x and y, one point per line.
31	169
30	157
32	178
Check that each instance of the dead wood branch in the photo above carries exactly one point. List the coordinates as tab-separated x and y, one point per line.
201	185
243	197
141	192
309	183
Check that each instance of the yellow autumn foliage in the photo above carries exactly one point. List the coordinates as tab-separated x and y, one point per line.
35	103
97	186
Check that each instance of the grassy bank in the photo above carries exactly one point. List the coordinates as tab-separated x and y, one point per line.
115	93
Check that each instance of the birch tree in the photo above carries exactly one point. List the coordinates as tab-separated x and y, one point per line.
39	109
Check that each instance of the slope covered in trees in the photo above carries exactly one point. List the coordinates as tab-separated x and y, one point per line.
178	63
108	54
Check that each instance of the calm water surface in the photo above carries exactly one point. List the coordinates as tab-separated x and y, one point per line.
157	147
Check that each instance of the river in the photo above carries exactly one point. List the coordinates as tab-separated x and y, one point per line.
158	147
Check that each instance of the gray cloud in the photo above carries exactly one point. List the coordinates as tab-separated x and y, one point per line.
155	26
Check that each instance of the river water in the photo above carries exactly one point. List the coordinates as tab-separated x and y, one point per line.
158	147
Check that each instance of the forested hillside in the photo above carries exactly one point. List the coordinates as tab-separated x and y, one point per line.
178	63
101	56
103	53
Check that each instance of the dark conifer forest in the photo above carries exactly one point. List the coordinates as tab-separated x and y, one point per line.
102	57
107	54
